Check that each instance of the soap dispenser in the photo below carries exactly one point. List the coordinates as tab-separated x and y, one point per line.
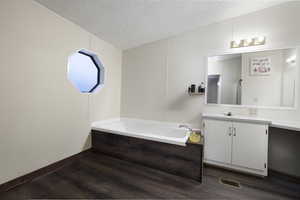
201	88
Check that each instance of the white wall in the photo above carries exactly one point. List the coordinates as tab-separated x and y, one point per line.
43	117
156	75
289	78
263	90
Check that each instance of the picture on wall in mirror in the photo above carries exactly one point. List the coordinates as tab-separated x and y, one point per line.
260	66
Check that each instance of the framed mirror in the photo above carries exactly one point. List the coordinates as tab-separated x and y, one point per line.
260	79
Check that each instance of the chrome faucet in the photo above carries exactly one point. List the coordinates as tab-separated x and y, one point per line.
228	114
186	126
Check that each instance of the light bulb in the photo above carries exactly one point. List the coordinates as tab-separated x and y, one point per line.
259	40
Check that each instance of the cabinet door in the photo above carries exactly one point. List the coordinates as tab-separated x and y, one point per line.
218	141
250	145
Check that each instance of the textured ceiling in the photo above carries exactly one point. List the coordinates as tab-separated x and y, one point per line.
130	23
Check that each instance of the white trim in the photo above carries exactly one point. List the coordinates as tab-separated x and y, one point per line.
237	168
248	50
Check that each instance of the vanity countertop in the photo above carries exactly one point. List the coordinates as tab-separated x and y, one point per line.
241	118
289	125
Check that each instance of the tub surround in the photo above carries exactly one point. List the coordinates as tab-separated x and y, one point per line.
185	161
289	125
160	145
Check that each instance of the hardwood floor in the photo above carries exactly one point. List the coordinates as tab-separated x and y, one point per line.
96	176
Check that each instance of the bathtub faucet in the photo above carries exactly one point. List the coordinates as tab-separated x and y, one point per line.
186	126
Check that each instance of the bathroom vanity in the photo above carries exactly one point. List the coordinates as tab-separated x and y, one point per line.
251	80
239	143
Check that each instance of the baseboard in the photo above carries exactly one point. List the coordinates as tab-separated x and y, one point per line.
271	173
40	172
285	176
244	170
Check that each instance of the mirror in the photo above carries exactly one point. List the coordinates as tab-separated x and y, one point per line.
263	78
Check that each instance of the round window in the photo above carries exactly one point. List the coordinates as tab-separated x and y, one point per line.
85	71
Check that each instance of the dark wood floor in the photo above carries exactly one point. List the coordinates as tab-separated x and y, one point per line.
97	176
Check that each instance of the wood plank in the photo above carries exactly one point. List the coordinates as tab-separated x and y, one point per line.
97	176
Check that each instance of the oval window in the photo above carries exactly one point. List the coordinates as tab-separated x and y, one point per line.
85	71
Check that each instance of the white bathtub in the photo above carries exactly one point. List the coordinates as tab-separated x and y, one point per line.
145	129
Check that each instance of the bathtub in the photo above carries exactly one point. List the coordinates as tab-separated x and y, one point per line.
144	129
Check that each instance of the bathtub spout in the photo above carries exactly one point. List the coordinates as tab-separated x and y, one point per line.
186	126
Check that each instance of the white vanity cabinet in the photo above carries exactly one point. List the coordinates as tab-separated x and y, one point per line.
237	145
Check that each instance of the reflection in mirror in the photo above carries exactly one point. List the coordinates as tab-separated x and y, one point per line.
265	78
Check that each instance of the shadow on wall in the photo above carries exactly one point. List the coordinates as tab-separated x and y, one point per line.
184	100
88	142
197	119
179	103
186	104
284	151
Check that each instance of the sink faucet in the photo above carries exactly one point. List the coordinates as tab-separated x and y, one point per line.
228	114
186	126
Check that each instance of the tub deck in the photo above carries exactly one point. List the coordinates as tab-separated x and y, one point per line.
165	132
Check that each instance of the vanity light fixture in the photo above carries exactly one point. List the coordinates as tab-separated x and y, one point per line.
248	42
259	40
